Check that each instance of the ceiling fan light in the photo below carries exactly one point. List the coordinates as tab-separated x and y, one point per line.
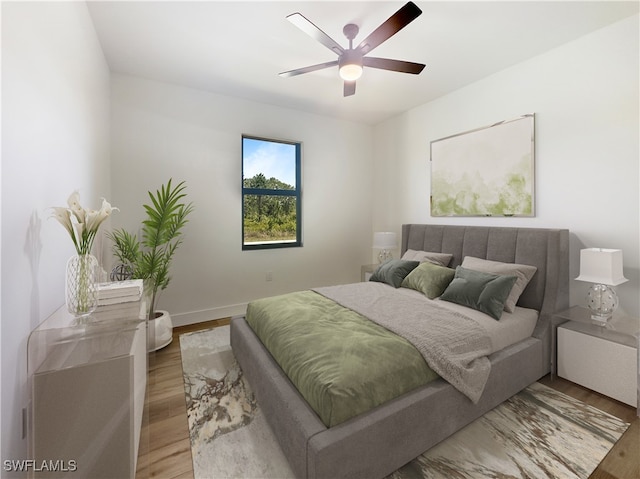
350	71
350	65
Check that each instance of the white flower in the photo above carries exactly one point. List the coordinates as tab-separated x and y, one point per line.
79	231
107	208
93	221
81	223
64	217
75	207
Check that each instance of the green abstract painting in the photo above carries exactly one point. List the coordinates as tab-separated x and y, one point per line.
485	172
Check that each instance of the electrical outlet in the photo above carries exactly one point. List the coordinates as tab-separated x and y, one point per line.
268	276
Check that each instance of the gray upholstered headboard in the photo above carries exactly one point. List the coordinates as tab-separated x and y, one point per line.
547	249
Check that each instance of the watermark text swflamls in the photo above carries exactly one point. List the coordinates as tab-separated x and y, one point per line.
47	465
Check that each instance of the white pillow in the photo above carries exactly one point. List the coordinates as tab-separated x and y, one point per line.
441	259
523	272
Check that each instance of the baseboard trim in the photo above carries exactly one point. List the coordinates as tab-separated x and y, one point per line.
193	317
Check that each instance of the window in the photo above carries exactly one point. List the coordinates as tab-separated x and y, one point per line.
270	193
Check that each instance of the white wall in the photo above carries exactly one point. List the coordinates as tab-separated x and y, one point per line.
585	97
162	131
55	139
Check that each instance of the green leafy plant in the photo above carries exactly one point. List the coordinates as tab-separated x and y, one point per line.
149	259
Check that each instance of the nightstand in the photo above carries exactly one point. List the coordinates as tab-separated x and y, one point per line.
367	270
602	358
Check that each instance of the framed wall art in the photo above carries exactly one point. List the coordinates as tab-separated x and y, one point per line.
488	171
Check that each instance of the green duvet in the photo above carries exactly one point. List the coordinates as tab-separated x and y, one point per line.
342	363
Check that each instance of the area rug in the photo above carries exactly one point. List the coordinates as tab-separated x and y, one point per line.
538	433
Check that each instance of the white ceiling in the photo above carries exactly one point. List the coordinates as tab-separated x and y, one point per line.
238	48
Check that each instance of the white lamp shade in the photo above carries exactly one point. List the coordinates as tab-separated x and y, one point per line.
602	266
384	240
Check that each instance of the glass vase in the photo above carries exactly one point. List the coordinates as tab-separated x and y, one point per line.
81	293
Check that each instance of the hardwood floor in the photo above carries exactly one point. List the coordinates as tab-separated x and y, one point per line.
164	444
165	450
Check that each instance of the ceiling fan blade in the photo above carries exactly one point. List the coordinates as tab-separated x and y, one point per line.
314	32
393	65
349	88
390	27
312	68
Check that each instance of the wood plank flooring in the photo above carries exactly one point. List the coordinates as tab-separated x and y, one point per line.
165	450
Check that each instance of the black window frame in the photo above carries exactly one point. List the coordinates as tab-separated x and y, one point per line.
296	192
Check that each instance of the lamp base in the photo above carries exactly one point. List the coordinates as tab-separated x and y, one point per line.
600	319
384	256
602	301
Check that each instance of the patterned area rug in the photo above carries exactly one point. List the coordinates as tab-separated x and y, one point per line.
539	433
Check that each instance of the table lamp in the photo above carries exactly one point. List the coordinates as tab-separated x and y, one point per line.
384	241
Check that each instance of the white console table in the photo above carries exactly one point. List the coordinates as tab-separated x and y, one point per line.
87	383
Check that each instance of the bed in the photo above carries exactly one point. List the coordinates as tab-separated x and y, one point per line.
376	442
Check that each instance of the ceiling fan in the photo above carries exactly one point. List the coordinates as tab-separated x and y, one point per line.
352	60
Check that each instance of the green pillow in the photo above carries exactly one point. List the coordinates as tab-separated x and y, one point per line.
485	292
393	271
430	279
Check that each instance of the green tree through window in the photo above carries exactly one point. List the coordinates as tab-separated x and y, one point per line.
270	193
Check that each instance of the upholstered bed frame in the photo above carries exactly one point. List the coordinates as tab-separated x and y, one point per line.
380	441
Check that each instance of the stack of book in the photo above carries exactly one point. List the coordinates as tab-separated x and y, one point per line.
120	300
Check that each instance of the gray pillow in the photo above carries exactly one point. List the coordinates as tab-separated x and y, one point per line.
442	259
523	272
393	271
484	292
430	279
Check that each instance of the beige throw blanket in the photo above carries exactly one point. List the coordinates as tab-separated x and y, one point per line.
452	344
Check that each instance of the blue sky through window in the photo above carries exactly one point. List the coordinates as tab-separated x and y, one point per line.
272	159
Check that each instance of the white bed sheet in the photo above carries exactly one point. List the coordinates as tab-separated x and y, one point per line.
510	329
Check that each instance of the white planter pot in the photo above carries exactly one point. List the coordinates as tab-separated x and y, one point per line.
160	331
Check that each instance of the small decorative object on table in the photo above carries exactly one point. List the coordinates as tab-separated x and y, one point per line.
603	267
120	299
82	224
121	272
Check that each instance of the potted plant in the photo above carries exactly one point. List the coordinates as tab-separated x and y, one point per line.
150	257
